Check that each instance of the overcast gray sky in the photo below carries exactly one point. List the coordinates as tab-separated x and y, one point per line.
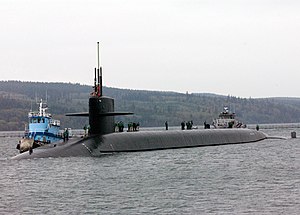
244	48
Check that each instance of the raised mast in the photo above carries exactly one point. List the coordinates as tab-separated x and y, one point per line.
98	55
99	74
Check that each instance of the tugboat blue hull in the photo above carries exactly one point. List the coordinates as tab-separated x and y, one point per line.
144	141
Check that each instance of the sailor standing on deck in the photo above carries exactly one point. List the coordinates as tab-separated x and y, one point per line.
66	134
182	125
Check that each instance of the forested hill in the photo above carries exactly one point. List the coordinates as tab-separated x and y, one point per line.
151	108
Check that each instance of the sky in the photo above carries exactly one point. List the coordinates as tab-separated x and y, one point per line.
242	48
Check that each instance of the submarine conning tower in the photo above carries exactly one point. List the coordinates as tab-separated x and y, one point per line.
101	108
100	122
101	114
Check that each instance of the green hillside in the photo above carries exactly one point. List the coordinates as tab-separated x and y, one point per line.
151	108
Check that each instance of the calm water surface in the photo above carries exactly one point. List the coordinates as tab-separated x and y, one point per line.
254	178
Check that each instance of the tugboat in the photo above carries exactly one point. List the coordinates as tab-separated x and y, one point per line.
42	129
227	120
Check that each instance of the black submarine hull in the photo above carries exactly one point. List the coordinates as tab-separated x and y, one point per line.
98	145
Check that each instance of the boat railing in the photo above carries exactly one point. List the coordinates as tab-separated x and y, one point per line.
55	122
36	114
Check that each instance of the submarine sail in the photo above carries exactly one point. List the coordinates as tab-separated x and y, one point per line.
101	108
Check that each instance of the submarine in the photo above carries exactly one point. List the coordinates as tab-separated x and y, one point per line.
103	139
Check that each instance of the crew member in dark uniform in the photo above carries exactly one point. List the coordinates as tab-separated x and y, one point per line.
182	125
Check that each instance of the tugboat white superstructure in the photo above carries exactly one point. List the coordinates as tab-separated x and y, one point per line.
227	119
42	129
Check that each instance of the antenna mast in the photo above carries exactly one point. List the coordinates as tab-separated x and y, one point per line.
46	96
99	69
98	76
98	55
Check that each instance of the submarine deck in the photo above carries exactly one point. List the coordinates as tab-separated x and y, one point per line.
97	145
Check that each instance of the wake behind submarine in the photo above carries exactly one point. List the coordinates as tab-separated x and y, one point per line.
103	139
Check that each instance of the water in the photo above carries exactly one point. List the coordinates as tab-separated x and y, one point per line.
254	178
